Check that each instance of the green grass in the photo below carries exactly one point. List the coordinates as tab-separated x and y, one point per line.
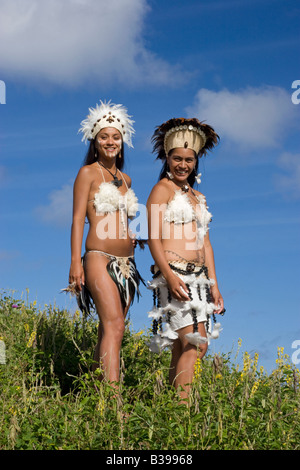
51	400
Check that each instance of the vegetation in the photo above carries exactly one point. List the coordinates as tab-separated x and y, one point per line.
51	400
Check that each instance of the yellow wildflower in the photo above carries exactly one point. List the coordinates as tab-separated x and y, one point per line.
255	362
101	406
239	347
254	388
12	410
279	359
139	333
246	365
31	339
247	362
197	369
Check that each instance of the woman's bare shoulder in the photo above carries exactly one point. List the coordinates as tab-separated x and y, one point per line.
161	192
127	179
198	193
85	176
87	172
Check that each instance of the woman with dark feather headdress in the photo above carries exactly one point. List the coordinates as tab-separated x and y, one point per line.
185	289
106	276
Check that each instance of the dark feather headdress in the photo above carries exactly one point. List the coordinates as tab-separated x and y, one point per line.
190	133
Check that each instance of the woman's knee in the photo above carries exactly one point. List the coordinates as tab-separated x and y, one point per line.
202	350
192	353
114	328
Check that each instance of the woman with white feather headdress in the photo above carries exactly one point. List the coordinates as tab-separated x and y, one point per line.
186	296
106	277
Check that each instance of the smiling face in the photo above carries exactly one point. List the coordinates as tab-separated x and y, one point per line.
181	163
108	142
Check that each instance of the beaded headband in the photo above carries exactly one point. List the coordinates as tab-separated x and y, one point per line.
183	133
107	115
184	136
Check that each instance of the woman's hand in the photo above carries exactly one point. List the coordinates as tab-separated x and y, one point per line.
76	275
217	299
133	238
177	288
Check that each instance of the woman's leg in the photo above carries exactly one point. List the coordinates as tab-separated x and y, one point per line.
184	356
97	355
111	314
176	353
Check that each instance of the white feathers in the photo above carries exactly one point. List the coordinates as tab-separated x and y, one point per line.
181	211
196	339
108	115
155	313
198	178
216	331
109	199
132	203
171	315
157	343
168	332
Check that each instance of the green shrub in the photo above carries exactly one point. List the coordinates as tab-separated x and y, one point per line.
50	399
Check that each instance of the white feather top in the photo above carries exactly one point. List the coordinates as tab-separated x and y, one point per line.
180	211
109	199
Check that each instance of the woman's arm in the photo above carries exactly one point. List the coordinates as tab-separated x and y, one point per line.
80	197
156	206
210	264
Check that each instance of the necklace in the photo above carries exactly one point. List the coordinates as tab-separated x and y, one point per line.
117	182
185	188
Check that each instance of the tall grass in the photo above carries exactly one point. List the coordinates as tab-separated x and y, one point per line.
51	400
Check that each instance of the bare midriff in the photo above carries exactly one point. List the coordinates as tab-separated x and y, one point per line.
108	233
180	242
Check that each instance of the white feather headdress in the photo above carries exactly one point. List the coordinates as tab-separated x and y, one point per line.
107	115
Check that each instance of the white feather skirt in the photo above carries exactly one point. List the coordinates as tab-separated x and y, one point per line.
170	315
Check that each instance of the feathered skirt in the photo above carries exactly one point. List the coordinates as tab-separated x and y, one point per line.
125	275
169	315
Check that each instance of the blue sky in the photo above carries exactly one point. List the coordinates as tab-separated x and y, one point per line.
231	63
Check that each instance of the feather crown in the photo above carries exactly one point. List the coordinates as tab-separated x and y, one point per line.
181	132
107	115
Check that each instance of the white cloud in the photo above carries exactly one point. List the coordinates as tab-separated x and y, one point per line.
73	41
288	182
59	210
251	118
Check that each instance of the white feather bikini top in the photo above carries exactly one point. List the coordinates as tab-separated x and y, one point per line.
180	211
109	199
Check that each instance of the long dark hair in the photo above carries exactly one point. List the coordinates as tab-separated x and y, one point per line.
191	179
92	151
